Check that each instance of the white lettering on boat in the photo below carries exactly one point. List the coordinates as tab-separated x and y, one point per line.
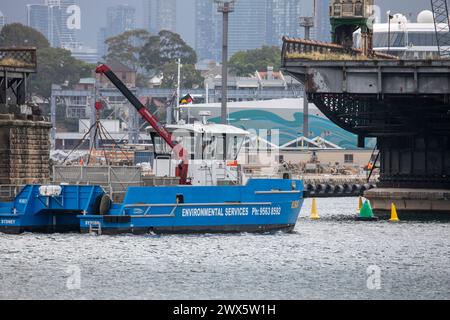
91	223
230	212
202	212
8	222
266	211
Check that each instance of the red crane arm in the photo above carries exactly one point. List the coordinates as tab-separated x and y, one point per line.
180	152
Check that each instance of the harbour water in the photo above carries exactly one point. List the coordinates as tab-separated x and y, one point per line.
333	258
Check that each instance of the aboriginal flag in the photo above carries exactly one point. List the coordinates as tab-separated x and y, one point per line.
187	99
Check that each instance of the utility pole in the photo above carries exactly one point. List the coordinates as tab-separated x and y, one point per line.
225	7
307	23
53	117
390	17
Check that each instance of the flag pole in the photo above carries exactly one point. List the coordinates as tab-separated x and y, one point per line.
178	91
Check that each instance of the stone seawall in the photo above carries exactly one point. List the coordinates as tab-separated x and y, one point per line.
24	150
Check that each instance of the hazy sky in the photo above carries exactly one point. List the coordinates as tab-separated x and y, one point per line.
94	17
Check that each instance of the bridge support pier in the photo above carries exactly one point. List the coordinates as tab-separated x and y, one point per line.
402	103
411	203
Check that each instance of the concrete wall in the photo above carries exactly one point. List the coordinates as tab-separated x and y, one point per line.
326	157
329	157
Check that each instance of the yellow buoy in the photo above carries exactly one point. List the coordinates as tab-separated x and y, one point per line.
314	212
360	204
394	215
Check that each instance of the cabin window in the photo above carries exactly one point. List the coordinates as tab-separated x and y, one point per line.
180	199
348	158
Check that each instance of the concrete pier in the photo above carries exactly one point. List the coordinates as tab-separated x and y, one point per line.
24	150
410	203
24	133
402	103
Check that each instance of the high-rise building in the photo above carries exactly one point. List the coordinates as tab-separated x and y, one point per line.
248	25
283	20
119	19
66	30
52	20
253	23
160	15
39	18
322	25
2	20
167	15
207	35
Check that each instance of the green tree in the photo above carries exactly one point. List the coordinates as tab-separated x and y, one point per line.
243	63
18	35
126	47
190	77
164	48
56	66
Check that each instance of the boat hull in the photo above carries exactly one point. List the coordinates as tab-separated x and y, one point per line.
260	206
288	228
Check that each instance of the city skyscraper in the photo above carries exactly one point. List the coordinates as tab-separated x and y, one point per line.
2	20
207	31
66	32
253	23
248	25
40	17
322	25
283	20
160	15
52	20
119	19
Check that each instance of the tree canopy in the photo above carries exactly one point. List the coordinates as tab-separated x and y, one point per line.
152	55
190	78
243	63
18	35
126	47
56	66
165	48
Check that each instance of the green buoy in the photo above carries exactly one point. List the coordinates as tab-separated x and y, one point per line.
366	213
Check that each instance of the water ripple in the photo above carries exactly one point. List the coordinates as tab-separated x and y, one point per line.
326	259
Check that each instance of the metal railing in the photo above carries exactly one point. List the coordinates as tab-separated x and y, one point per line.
114	179
18	58
9	192
306	49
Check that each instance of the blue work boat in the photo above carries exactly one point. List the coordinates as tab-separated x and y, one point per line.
259	206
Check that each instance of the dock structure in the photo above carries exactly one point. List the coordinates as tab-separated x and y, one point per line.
404	104
24	133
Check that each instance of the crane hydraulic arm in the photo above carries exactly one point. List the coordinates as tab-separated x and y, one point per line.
180	153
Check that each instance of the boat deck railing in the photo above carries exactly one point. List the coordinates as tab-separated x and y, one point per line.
9	192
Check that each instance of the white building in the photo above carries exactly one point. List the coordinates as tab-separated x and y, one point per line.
406	39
